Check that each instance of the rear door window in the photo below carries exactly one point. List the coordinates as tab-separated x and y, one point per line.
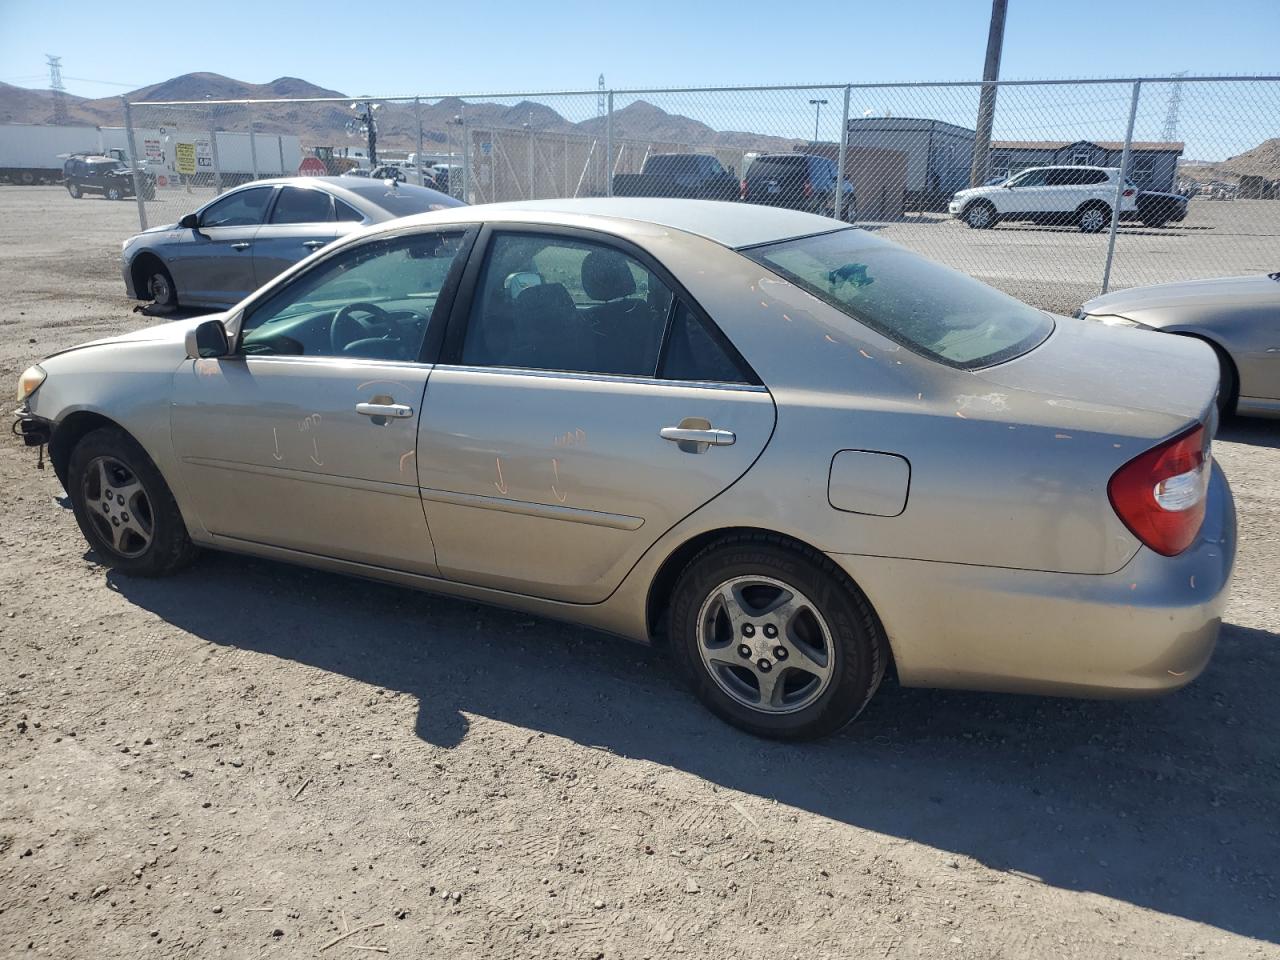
302	205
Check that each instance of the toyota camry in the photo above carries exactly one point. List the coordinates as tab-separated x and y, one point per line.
792	454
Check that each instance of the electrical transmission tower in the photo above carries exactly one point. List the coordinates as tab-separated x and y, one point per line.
601	101
59	91
1170	132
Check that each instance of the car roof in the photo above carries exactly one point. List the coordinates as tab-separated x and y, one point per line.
733	225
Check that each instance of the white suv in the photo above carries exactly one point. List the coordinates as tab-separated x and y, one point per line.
1079	195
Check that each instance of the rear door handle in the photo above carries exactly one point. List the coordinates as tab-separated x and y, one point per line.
314	244
712	436
242	245
396	411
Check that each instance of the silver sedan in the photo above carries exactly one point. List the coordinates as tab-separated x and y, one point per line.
792	453
1237	316
238	241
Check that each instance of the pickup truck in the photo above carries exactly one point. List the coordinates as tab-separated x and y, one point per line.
694	176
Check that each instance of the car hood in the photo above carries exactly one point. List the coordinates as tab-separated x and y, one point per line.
1147	385
1209	295
174	331
970	192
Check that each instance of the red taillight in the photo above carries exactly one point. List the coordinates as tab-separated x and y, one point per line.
1128	193
808	189
1160	495
742	190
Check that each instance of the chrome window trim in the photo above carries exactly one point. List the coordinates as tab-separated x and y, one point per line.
603	377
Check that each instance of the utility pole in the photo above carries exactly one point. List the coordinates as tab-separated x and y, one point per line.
987	100
817	115
59	91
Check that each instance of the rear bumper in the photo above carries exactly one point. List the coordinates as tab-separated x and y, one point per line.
1148	628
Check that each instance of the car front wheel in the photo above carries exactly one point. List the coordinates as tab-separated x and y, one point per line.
124	507
112	193
775	639
160	286
75	191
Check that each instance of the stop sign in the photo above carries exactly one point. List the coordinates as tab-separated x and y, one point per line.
311	167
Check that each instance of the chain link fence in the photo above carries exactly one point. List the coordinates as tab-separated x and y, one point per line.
1036	206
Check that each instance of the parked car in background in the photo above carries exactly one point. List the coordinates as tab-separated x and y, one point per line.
786	449
1156	209
111	178
401	173
692	176
800	181
237	242
1083	196
1238	316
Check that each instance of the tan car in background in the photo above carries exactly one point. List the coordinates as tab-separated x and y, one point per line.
792	453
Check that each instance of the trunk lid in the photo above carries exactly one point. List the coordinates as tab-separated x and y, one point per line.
1138	382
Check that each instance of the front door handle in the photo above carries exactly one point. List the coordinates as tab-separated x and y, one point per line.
242	245
397	411
313	244
697	439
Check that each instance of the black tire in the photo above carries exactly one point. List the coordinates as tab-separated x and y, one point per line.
1093	218
1228	384
154	541
980	215
158	285
856	658
75	191
112	192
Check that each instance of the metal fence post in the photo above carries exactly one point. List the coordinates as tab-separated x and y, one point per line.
253	144
608	148
466	155
1120	184
132	154
417	114
838	203
213	153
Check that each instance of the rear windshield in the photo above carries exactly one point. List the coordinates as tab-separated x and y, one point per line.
780	167
929	308
403	199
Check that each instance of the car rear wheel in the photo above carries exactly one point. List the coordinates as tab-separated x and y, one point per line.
75	191
1094	218
775	639
124	507
981	215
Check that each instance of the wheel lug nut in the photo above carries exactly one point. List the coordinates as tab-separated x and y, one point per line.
764	665
748	630
120	500
124	517
744	651
770	630
779	653
107	494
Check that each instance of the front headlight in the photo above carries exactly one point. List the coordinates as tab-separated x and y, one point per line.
31	378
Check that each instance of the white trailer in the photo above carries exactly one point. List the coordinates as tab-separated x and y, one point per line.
33	153
225	158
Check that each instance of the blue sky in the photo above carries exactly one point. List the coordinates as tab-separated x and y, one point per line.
443	46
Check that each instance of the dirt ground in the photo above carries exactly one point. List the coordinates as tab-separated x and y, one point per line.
250	759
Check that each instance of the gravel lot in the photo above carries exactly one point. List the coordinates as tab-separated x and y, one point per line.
252	759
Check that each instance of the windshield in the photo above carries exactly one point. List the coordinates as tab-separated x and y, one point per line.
931	309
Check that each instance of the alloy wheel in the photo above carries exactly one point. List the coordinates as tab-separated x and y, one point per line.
980	215
118	506
1092	220
765	644
158	287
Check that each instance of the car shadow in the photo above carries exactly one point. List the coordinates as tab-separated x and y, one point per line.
1255	431
172	313
1170	804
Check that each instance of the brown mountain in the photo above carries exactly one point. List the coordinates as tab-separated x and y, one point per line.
333	122
1262	161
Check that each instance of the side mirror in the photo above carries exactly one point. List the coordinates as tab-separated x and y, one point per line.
208	340
190	222
518	283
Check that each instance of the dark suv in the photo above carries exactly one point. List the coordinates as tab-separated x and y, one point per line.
105	175
801	181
